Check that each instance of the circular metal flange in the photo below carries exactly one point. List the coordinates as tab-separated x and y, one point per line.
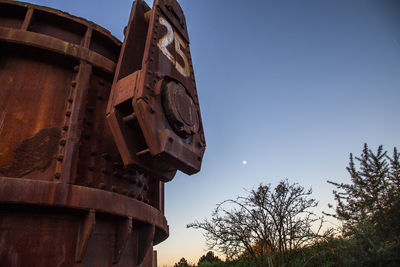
180	109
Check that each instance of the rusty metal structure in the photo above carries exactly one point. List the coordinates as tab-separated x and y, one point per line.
90	130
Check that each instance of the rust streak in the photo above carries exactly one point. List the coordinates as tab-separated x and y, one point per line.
2	116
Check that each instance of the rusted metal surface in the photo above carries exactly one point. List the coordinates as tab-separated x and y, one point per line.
90	129
153	108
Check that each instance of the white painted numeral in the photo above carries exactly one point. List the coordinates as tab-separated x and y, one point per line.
166	40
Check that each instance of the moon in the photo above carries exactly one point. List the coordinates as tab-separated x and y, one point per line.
244	162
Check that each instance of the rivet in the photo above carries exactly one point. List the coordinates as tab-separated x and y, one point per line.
70	100
76	68
199	158
101	82
171	140
65	127
124	192
68	113
102	185
152	110
63	142
145	187
104	155
57	175
140	197
60	158
114	188
73	83
117	174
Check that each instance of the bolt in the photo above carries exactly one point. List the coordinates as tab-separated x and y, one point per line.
68	113
70	100
73	83
101	82
65	127
76	68
105	155
60	158
63	142
57	175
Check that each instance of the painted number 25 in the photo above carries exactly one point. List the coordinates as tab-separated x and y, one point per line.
166	40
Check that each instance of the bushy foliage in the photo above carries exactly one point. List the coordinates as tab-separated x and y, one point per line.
369	208
183	263
208	260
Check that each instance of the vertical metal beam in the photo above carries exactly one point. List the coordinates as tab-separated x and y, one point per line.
68	171
85	233
28	19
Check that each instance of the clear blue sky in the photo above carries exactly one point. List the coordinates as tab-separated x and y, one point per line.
292	87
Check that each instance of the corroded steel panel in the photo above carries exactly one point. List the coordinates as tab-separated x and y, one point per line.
153	109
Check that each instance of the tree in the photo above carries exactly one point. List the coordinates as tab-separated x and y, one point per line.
266	225
373	195
208	258
182	263
369	208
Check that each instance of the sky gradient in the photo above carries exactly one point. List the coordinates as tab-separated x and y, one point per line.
291	87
